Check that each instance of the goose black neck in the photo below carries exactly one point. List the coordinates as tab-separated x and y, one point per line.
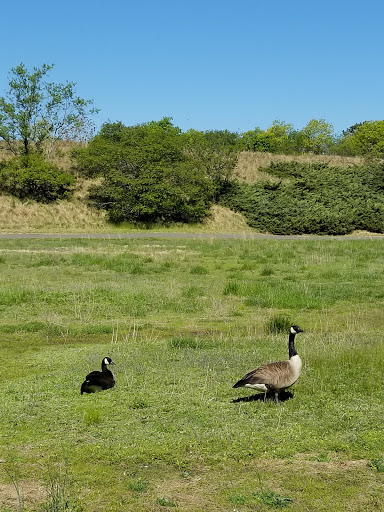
291	345
104	368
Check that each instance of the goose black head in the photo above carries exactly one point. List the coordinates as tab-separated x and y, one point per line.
108	360
295	329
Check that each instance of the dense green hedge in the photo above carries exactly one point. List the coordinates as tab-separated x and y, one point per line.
312	198
149	173
35	178
180	192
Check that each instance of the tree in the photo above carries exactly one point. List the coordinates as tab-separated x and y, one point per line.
284	137
216	151
146	174
365	139
317	136
352	129
35	111
258	140
278	138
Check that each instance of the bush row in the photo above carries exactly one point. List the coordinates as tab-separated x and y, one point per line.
312	199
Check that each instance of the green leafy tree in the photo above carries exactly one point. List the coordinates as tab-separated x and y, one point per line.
280	129
258	140
284	137
147	174
352	129
278	138
35	111
365	139
317	137
214	150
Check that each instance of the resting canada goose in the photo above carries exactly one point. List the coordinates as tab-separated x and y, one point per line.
276	376
97	381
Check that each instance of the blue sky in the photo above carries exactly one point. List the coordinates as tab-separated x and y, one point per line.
208	64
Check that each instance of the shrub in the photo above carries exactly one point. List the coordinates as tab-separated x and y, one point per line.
35	178
216	151
167	194
147	175
313	199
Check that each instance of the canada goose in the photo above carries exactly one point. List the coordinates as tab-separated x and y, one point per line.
97	381
276	376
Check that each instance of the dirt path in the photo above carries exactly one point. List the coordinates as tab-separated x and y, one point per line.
144	234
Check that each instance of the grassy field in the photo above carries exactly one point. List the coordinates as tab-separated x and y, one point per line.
184	320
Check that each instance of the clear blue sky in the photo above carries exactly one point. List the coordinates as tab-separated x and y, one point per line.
211	64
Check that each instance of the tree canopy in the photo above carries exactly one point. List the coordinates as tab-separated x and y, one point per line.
365	139
35	111
147	175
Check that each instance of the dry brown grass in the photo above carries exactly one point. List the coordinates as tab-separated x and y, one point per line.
63	216
32	493
249	163
76	217
224	220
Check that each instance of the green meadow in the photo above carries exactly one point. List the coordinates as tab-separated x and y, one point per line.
183	320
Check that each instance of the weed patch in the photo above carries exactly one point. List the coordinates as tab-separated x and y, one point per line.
166	502
377	464
272	499
92	417
187	342
138	485
278	324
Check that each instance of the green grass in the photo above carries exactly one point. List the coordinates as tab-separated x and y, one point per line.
272	499
173	433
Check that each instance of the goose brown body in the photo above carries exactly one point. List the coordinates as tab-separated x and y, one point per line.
276	376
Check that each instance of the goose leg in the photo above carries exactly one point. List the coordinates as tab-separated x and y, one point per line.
276	397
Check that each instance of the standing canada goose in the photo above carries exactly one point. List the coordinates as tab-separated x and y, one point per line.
97	381
276	376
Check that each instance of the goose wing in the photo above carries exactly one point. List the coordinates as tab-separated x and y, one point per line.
103	379
94	375
264	374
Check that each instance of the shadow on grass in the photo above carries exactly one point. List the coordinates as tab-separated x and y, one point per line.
259	397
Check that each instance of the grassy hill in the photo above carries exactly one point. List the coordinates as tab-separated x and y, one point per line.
76	216
250	164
